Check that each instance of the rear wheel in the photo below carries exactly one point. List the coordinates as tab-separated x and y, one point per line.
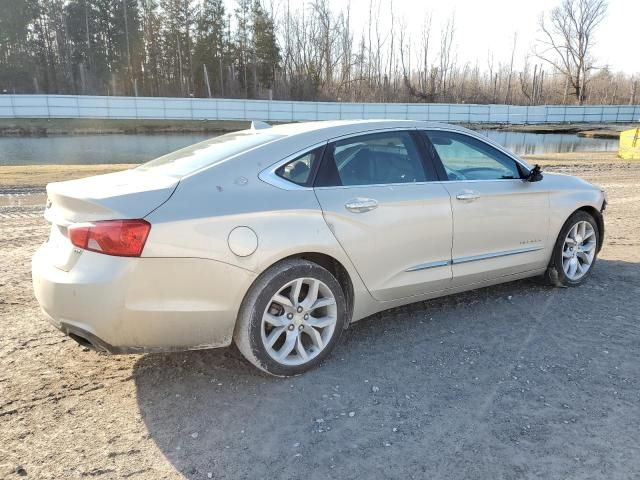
575	251
291	318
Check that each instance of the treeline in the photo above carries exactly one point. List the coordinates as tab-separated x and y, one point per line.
137	47
304	51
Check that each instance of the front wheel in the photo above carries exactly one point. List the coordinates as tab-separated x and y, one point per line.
291	318
575	252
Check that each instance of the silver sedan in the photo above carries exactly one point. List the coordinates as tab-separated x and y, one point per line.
277	238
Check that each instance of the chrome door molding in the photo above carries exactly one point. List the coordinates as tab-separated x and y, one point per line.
474	258
504	253
425	266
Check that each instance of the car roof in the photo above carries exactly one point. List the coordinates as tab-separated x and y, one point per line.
330	128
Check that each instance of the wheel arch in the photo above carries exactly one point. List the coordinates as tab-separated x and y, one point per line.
598	217
336	268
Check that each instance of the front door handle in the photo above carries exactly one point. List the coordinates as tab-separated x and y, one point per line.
468	196
361	205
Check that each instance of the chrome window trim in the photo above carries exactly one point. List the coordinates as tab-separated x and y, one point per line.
501	180
485	256
373	131
427	265
485	140
402	184
270	176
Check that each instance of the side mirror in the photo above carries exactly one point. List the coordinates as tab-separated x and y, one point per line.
535	174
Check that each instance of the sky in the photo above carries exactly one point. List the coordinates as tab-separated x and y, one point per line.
483	25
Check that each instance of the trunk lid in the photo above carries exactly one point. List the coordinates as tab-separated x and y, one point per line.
121	195
130	194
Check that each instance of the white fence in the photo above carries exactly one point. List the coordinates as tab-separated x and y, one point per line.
73	106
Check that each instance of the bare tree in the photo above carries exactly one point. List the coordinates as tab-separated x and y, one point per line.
634	89
507	97
446	52
311	51
568	38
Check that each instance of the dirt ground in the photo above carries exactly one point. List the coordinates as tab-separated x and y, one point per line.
508	382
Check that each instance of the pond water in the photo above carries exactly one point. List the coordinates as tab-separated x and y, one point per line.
536	143
97	149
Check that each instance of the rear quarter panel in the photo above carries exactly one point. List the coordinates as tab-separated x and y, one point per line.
205	208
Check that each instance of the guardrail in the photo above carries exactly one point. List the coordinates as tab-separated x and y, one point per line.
76	106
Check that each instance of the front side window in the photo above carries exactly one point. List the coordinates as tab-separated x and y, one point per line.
374	159
299	171
467	158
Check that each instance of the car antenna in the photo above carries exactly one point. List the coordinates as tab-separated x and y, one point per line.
258	125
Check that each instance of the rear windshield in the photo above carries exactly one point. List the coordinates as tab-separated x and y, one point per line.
204	154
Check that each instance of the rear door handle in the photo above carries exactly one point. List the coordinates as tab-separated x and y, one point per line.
468	196
361	205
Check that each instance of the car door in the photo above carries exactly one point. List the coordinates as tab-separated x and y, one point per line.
500	221
382	203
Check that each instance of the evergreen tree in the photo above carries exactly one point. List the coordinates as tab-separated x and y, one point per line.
266	54
241	47
17	61
127	43
177	44
152	55
210	48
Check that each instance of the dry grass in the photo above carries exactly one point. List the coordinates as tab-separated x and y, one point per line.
555	158
43	174
79	126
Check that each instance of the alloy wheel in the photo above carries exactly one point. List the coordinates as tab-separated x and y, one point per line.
299	321
579	250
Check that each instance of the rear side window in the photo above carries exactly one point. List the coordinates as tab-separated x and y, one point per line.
300	171
204	154
374	159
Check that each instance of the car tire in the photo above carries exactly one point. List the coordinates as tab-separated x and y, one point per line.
575	251
291	318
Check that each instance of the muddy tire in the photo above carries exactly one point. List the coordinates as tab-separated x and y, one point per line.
575	252
291	318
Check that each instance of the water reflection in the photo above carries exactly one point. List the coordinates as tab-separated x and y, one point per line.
97	149
537	143
92	149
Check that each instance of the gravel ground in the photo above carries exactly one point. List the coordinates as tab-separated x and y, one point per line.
514	381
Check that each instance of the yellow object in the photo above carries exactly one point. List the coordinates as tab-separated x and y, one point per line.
630	144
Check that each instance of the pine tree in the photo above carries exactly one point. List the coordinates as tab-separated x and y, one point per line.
151	19
209	49
241	45
177	44
266	54
127	43
18	70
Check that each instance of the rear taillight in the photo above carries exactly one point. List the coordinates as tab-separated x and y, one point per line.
123	238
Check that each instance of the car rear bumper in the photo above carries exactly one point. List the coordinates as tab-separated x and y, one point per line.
135	305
